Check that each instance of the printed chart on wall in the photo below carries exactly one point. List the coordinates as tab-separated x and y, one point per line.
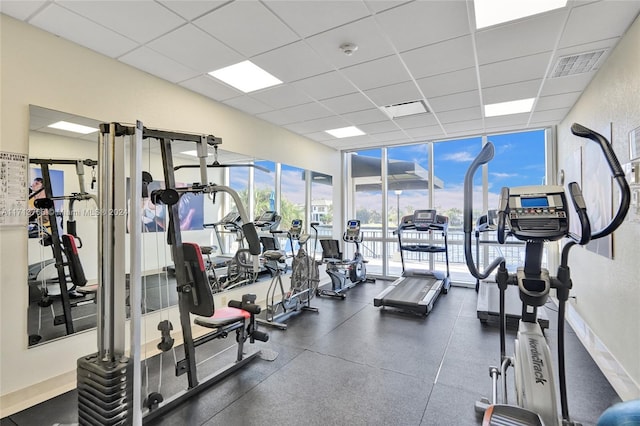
14	169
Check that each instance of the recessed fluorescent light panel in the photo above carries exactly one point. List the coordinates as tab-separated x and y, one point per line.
404	109
493	12
345	132
245	76
72	127
506	108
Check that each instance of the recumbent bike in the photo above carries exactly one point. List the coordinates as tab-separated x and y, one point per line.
344	273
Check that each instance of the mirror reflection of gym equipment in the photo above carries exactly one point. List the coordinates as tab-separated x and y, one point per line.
344	273
61	302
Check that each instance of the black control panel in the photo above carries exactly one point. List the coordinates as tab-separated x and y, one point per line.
538	213
353	231
296	229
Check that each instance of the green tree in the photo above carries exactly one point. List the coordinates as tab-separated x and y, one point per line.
363	215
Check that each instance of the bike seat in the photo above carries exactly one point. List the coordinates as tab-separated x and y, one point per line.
208	249
276	255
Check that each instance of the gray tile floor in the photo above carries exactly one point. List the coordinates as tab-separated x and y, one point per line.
354	364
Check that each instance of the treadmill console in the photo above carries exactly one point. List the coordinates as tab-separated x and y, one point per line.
267	221
538	213
230	219
296	229
352	233
424	219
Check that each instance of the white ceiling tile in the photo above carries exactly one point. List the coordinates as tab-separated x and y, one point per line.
394	94
565	100
69	25
276	117
463	128
318	125
464	114
191	9
514	70
509	92
507	120
211	88
555	115
248	105
525	37
379	127
311	17
292	62
247	26
598	21
438	58
572	83
320	136
281	96
306	112
347	103
364	33
152	62
328	85
451	82
196	49
389	136
455	101
381	72
363	117
420	23
418	120
430	132
380	5
20	9
139	20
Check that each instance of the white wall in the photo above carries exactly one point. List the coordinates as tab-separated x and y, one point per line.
41	69
608	291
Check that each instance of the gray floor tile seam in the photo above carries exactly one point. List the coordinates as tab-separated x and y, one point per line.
446	348
364	364
249	389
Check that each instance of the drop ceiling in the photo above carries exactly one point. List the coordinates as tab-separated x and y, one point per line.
423	50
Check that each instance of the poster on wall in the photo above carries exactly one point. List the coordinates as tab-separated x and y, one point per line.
154	217
13	180
597	190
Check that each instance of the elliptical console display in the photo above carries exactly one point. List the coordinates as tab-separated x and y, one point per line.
538	212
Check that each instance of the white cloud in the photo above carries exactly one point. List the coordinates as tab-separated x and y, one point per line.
461	157
503	175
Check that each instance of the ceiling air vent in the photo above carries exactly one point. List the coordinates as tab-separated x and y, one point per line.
577	64
405	108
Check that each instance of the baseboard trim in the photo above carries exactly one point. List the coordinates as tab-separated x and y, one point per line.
615	373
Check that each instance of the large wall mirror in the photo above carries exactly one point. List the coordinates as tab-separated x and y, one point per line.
63	169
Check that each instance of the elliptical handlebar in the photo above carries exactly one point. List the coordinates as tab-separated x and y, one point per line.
502	214
484	157
617	173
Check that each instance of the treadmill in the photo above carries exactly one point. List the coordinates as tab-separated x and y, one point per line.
417	290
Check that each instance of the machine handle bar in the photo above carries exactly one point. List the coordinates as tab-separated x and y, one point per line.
484	157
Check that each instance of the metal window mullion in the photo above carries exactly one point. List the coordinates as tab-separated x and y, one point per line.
385	210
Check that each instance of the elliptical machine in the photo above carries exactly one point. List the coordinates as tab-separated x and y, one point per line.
536	214
344	273
304	279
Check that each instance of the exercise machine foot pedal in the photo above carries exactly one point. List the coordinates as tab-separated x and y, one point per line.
500	415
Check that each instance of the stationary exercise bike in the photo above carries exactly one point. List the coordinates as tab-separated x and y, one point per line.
536	214
344	273
304	279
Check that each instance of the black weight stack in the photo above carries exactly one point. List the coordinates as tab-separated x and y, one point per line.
105	396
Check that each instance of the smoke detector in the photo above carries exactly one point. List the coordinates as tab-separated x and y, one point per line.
348	48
